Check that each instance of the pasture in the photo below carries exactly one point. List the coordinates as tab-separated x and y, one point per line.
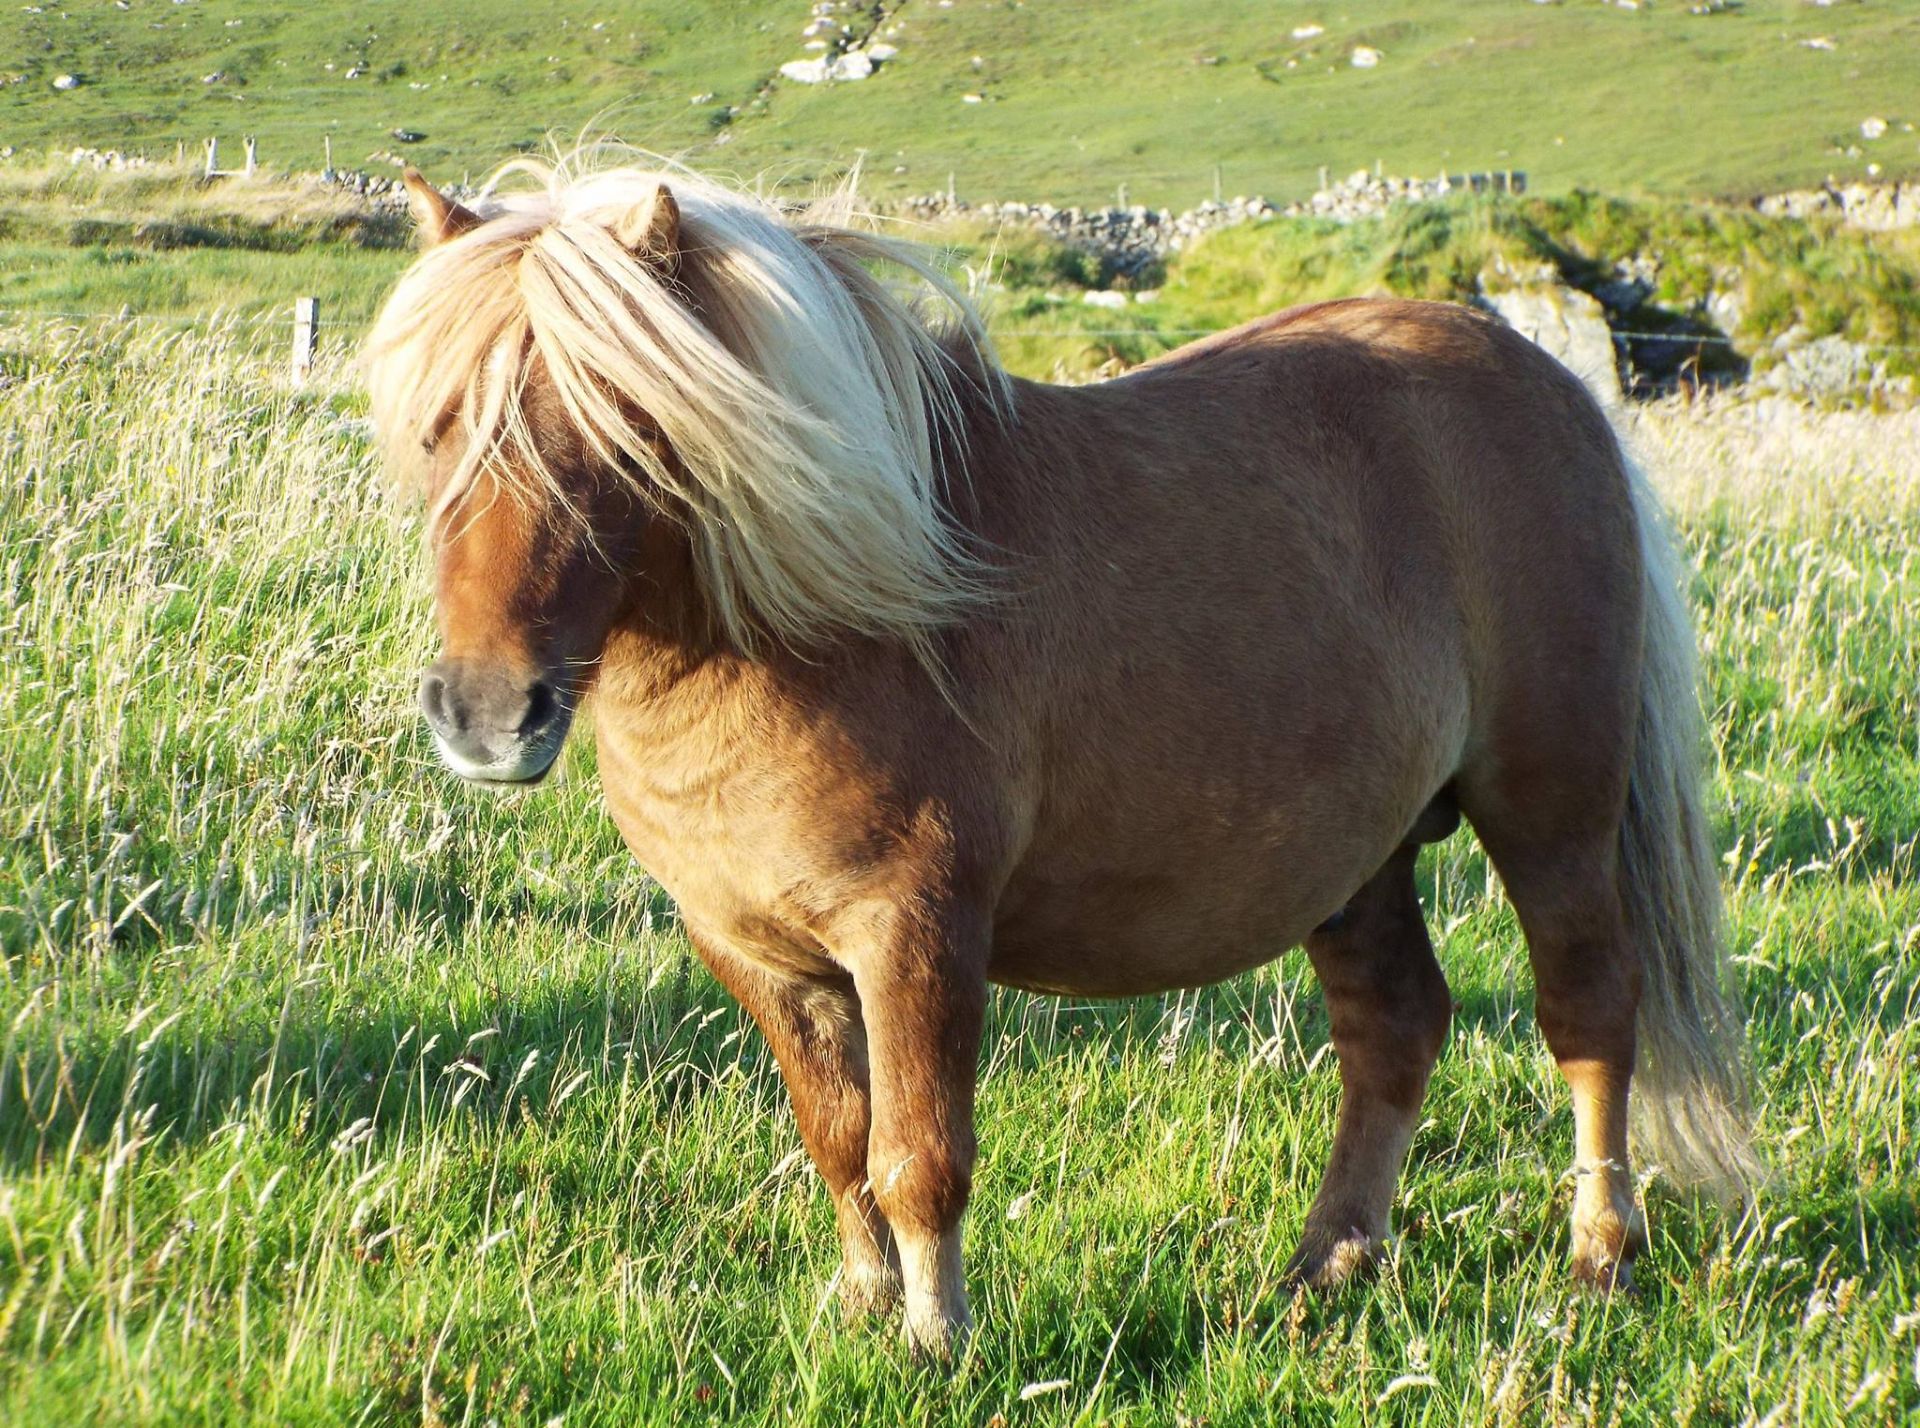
1068	101
334	1091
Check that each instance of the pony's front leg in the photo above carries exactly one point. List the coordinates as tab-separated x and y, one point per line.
1390	1008
922	984
816	1031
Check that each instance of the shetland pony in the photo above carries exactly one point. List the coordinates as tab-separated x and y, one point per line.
910	677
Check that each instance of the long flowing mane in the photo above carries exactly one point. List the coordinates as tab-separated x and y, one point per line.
767	387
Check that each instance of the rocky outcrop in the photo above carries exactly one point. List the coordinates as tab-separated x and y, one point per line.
1879	206
1830	368
1570	325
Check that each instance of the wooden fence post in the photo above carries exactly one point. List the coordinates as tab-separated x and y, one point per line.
213	157
252	156
306	331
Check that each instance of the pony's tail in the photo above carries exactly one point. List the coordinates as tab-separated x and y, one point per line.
1692	1084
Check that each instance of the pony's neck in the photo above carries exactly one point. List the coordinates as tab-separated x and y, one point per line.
665	629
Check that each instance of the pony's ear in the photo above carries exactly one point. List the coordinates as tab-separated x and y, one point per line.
439	217
651	228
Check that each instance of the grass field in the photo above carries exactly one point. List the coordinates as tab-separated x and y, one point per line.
1073	98
334	1092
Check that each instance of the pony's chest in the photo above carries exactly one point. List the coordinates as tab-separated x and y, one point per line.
723	833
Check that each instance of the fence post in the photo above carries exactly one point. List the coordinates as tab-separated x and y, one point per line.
306	331
213	157
252	156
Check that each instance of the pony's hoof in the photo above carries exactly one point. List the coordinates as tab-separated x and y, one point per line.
1603	1276
1605	1246
1326	1262
868	1293
938	1340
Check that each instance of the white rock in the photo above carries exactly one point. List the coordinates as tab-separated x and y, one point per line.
1104	298
852	65
1308	31
970	99
66	81
1365	57
881	53
1819	42
811	71
1872	128
1572	327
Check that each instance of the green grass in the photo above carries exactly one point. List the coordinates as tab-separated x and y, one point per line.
1076	98
332	1091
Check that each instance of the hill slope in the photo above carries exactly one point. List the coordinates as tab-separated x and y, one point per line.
1070	99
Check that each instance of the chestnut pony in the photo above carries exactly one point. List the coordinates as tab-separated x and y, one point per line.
909	677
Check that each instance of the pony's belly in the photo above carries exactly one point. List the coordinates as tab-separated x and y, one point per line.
1118	936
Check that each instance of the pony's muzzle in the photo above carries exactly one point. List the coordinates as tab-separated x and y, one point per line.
491	726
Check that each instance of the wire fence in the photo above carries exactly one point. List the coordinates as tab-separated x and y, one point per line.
288	318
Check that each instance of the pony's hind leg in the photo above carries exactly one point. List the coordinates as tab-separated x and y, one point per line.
819	1038
1587	994
1389	1007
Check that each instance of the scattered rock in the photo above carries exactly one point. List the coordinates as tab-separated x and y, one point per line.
407	136
1365	57
1872	128
1308	31
1104	297
843	38
853	65
66	81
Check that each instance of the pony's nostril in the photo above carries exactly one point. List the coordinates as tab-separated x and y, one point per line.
540	707
433	700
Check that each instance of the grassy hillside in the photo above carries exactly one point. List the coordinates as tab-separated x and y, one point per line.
332	1091
1075	98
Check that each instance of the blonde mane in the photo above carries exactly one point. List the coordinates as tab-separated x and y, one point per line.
765	387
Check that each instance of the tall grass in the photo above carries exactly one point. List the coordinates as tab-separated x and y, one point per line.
332	1091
